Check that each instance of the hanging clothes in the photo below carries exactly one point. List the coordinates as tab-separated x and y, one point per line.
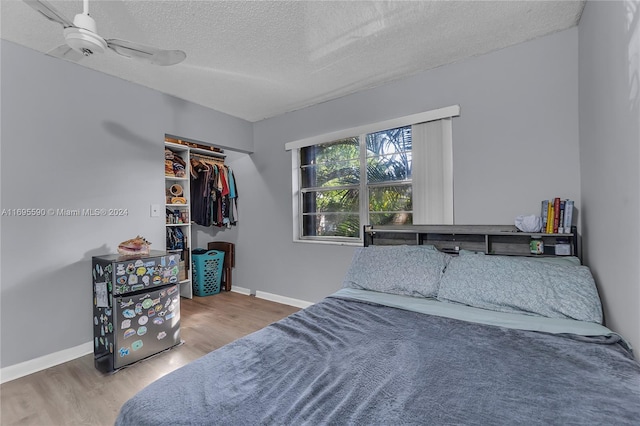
214	193
200	189
233	198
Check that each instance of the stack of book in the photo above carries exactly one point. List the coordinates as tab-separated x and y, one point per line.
557	216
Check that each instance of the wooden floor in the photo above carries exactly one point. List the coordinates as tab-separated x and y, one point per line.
75	393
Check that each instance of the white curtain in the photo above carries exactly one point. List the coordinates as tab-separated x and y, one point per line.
432	158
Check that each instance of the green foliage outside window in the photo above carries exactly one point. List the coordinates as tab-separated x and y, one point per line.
330	178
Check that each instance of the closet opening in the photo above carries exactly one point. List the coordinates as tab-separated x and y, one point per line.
202	188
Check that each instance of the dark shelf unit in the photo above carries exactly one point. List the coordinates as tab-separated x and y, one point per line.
489	239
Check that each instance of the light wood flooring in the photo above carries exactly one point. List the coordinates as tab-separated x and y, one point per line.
75	393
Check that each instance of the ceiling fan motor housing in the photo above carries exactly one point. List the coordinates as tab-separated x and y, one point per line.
83	37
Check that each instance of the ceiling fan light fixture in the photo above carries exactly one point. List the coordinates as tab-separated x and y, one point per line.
83	37
84	41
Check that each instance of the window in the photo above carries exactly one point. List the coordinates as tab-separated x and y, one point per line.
331	186
388	163
366	175
330	189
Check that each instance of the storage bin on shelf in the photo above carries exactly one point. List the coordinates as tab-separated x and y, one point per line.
207	271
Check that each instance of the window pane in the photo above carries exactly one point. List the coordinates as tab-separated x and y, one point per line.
331	213
390	199
340	150
331	174
378	219
390	205
389	167
389	141
331	225
332	201
389	155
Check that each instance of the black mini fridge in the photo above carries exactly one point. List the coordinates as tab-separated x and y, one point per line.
136	307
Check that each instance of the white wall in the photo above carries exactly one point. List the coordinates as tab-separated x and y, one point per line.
515	143
74	138
609	58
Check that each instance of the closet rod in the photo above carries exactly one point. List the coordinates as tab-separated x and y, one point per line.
208	158
209	154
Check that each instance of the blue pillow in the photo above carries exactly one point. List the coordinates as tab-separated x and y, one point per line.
522	285
403	269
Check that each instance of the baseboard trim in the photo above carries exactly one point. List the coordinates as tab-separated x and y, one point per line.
22	369
283	299
241	290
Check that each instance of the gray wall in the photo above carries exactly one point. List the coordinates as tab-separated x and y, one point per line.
75	138
609	59
515	144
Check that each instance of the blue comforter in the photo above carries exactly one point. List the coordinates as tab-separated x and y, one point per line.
348	361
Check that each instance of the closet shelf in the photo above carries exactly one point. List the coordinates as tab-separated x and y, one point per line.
179	234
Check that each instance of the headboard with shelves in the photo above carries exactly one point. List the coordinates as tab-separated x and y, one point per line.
489	239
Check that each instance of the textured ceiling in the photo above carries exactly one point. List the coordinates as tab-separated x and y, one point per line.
258	59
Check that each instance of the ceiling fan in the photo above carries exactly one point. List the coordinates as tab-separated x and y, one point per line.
82	38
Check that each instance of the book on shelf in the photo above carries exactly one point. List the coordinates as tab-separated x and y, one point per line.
544	214
557	215
568	216
550	215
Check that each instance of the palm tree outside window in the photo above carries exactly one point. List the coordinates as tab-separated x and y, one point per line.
337	180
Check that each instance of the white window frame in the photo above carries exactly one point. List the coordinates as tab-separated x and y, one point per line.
445	173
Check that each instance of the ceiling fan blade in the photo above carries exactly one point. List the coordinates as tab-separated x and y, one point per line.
146	53
64	51
48	11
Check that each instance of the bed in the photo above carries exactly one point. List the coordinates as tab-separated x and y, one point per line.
418	336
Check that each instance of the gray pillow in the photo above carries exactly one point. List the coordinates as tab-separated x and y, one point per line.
558	260
406	270
522	285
